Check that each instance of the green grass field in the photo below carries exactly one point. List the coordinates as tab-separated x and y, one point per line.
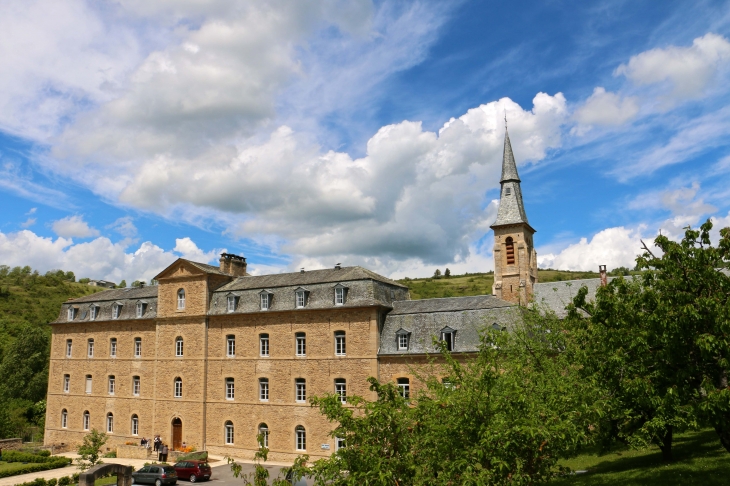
699	460
477	283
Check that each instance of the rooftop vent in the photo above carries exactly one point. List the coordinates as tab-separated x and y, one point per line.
338	266
301	270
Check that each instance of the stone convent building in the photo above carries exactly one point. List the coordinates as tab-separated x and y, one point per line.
213	356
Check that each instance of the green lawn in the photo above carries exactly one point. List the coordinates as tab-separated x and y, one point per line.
10	466
699	460
106	481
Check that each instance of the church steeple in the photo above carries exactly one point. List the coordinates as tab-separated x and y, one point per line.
515	259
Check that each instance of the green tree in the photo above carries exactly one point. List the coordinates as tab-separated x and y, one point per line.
659	344
137	283
447	273
122	284
90	450
437	273
503	417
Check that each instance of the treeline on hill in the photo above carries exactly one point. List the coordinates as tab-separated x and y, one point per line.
444	284
28	302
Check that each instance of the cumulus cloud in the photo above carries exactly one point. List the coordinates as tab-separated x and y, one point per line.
73	227
689	70
124	226
98	258
28	222
189	250
613	247
604	108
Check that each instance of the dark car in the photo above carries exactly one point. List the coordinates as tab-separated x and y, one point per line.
193	470
157	474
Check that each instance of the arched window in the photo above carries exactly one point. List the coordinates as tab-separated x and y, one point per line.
64	418
135	425
181	299
405	387
300	436
178	346
178	387
264	435
87	420
510	247
109	423
229	432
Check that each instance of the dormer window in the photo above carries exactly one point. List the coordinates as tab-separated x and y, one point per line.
447	336
181	299
340	294
508	191
93	312
141	308
266	299
402	339
71	313
301	297
231	300
116	310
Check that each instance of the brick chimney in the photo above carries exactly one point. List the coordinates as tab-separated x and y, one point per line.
233	265
604	278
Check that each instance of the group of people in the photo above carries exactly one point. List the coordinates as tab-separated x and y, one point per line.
161	449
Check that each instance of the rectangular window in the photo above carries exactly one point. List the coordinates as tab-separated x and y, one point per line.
405	387
88	383
341	389
339	443
113	347
448	338
116	310
69	346
112	384
300	299
265	301
301	348
264	389
301	390
179	347
90	352
231	303
137	347
230	389
93	312
135	386
339	296
402	341
140	309
135	425
340	343
66	383
71	313
264	344
178	388
231	346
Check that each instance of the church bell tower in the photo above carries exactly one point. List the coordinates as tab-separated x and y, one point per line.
515	259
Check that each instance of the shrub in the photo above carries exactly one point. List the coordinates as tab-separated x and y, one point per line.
75	478
17	456
52	482
55	463
64	481
110	454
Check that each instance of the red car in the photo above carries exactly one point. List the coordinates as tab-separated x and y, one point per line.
192	470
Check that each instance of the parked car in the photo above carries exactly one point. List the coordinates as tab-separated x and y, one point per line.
157	474
193	470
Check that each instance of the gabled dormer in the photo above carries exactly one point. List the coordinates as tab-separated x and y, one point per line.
185	288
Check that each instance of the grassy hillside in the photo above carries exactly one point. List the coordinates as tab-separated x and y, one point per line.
477	283
28	302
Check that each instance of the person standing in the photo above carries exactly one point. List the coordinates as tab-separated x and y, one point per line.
164	452
157	443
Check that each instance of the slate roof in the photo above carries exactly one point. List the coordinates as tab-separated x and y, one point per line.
424	319
557	295
206	268
119	294
329	275
511	208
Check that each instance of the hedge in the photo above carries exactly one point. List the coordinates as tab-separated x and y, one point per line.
44	466
17	456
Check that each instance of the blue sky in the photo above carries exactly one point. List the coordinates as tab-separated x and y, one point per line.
367	133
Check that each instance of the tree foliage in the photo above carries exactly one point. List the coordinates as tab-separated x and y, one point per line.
504	416
659	344
90	450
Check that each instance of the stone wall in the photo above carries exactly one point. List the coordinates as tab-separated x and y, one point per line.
11	444
135	452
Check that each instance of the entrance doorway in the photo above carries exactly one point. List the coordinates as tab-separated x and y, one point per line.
176	434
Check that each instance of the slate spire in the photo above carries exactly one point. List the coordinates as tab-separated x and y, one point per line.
511	208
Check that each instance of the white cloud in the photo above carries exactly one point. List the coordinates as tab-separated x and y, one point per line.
189	250
73	227
98	258
606	109
32	211
689	70
124	226
613	247
28	222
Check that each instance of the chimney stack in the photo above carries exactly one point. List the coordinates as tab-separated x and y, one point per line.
604	278
233	265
